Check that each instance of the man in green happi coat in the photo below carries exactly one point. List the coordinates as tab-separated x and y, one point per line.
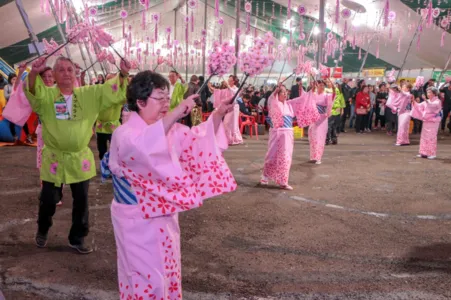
67	115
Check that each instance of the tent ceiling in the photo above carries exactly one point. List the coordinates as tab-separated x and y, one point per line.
13	42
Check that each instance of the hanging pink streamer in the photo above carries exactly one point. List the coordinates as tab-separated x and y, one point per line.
399	43
386	12
353	40
418	41
143	20
337	12
390	33
378	48
156	31
289	9
248	23
42	4
217	8
192	21
430	19
220	35
360	53
345	31
442	40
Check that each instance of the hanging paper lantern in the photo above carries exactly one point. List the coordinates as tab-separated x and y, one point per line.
203	32
444	23
436	12
346	13
302	10
248	7
220	21
192	4
330	35
391	16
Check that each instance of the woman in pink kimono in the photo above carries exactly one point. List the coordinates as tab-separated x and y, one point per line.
429	112
160	168
281	140
231	120
402	103
317	132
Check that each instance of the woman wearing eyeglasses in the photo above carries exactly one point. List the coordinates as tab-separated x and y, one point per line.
160	168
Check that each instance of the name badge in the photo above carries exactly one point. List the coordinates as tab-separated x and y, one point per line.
61	111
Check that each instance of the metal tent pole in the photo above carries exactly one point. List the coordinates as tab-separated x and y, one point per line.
322	26
205	43
186	45
58	25
408	49
444	69
237	25
26	21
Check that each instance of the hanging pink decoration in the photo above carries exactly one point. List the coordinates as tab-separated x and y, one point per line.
143	20
353	40
337	12
289	10
168	38
418	41
51	47
442	40
429	18
345	14
192	21
386	12
419	82
156	19
123	14
399	43
302	36
248	10
378	48
217	8
360	53
390	33
436	13
391	16
93	11
192	4
444	23
391	76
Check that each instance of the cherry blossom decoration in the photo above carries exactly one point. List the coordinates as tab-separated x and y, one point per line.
168	36
51	47
391	19
345	14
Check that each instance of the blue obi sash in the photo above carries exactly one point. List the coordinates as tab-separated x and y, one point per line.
321	109
121	187
287	122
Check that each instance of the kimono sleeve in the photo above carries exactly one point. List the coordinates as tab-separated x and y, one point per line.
305	110
100	97
221	96
40	97
418	111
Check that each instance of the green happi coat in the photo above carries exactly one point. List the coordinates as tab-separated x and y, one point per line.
108	120
66	157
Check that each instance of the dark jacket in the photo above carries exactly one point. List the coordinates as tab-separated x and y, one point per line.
295	91
244	109
447	92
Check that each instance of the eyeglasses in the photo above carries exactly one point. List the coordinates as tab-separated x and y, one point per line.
166	99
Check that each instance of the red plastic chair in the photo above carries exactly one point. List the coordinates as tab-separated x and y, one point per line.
205	116
250	122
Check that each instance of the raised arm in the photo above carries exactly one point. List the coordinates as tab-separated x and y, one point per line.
37	67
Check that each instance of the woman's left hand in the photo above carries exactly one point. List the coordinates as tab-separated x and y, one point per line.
224	109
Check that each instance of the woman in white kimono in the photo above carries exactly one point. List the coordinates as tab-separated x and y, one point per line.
160	168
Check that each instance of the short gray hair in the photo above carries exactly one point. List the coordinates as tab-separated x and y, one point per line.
62	58
433	90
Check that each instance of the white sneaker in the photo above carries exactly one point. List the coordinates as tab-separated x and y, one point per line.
397	144
419	156
264	181
432	157
318	162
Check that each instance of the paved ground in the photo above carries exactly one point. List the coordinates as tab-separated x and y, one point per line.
372	222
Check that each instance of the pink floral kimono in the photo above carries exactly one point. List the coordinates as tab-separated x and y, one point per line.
429	112
401	102
317	132
231	119
156	176
281	140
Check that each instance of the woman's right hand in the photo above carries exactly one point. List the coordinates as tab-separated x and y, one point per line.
39	65
186	106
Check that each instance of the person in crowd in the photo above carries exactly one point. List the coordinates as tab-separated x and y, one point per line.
362	107
177	89
334	121
107	122
372	92
381	100
317	132
245	105
67	115
231	119
100	79
281	138
347	95
446	90
355	91
402	103
294	93
419	96
204	95
429	112
391	118
3	82
255	99
8	90
195	117
428	84
160	168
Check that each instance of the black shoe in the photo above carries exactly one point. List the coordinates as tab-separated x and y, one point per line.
81	248
334	142
40	240
327	143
